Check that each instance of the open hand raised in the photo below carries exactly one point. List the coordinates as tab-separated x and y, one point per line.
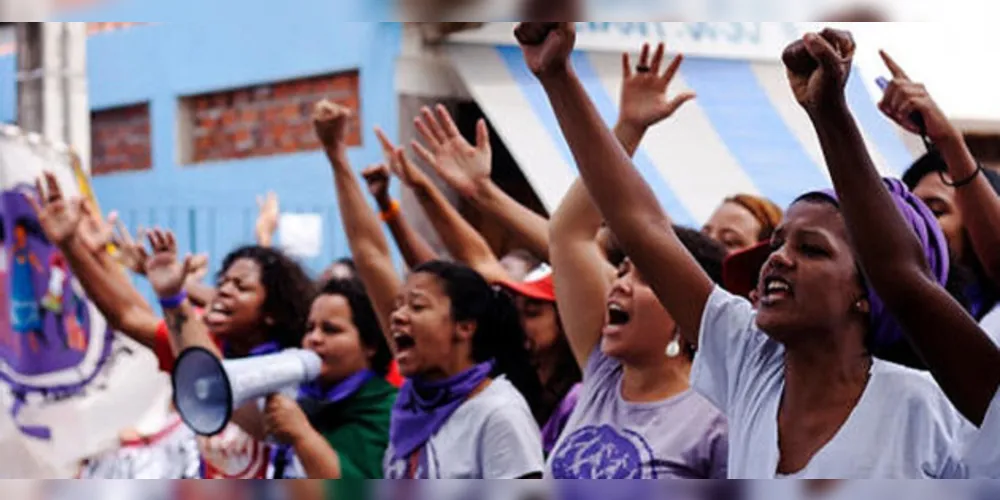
165	273
60	218
466	168
131	251
644	99
268	215
398	163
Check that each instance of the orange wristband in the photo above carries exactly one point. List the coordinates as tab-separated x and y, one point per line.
392	212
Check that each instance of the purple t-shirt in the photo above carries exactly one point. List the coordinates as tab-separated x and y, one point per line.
609	438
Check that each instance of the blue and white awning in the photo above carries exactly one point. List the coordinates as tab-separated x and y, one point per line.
743	134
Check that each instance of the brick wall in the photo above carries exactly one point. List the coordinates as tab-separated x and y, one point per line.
120	139
263	120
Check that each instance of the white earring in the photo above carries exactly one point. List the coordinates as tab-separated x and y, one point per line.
674	348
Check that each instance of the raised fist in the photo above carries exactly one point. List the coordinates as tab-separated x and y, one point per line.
330	120
546	46
818	66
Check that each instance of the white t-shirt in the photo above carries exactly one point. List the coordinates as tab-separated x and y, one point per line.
982	453
902	427
991	324
491	436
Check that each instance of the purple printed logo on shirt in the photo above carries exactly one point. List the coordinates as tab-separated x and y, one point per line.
601	452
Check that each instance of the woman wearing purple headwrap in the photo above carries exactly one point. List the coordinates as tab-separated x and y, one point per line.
803	394
963	360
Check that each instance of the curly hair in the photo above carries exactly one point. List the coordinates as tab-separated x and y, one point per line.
364	318
288	292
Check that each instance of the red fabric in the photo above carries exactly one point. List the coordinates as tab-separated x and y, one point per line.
740	270
393	377
161	348
539	289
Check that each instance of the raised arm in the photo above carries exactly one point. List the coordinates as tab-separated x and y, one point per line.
466	168
462	240
411	244
72	226
268	215
974	195
364	234
641	226
167	274
963	360
581	271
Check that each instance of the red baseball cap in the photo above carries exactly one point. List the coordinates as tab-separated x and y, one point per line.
537	285
741	270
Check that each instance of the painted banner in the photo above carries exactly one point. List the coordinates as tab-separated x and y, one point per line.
69	386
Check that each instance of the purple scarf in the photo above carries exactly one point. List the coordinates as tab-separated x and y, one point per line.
885	330
281	455
262	349
423	407
554	427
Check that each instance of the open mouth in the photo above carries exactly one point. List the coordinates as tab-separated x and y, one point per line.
775	289
217	312
617	316
403	341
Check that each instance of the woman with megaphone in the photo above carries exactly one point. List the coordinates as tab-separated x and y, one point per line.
260	306
339	426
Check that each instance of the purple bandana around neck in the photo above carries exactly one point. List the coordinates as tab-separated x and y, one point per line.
260	350
423	407
339	392
885	330
333	395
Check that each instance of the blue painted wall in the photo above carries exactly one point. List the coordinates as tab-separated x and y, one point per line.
8	89
212	206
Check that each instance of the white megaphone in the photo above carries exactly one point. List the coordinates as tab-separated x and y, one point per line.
207	389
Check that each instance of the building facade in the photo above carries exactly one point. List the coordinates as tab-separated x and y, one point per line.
192	121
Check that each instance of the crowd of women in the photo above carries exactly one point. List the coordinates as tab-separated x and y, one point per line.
846	337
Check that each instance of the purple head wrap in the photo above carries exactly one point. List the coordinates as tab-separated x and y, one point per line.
884	329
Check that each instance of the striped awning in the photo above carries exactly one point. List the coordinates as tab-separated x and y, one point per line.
743	134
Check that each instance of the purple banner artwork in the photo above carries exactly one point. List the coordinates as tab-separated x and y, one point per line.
51	341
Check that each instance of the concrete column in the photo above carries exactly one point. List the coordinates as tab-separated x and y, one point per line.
23	11
52	84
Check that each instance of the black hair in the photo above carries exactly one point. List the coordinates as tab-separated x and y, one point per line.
365	319
288	292
710	255
348	262
933	163
499	335
3	233
31	227
565	374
